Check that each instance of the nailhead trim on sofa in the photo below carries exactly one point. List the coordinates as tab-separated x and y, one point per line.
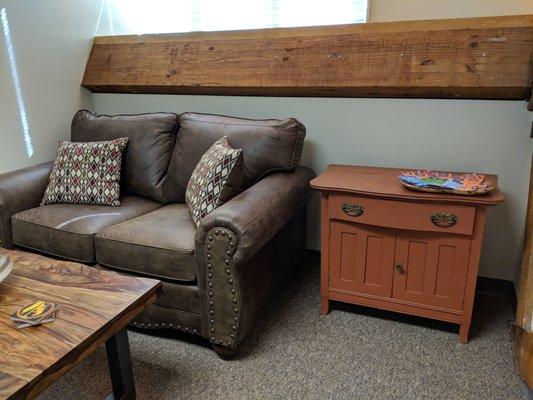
222	288
164	325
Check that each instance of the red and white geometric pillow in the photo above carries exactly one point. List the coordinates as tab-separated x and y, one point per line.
216	178
86	173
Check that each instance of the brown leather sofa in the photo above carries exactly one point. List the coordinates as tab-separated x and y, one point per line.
217	278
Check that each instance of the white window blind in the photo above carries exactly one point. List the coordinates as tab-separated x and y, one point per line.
160	16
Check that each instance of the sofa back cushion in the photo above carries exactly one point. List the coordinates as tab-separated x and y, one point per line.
268	145
146	159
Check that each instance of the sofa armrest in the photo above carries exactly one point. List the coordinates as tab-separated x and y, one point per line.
258	213
227	241
20	190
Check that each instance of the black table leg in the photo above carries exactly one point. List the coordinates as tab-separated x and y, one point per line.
118	359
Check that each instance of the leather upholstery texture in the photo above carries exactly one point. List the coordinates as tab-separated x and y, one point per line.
68	230
159	317
217	277
159	244
255	215
234	278
181	297
147	156
268	145
258	280
269	269
20	190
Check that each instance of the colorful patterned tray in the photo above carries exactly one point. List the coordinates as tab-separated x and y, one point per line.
446	182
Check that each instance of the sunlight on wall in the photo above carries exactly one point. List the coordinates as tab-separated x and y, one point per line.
16	83
159	16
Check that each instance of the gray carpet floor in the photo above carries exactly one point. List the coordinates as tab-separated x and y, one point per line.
294	353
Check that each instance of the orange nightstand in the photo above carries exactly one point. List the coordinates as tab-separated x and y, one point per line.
388	247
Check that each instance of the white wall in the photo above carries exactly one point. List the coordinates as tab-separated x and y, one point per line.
397	10
484	136
487	136
51	42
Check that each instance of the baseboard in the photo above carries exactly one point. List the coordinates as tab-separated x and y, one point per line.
492	286
497	287
312	255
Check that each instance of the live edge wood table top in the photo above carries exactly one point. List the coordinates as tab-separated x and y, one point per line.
93	308
385	246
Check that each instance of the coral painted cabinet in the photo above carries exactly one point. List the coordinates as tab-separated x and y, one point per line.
388	247
431	270
361	259
403	266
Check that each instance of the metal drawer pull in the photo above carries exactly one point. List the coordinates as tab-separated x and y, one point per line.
400	269
444	220
353	210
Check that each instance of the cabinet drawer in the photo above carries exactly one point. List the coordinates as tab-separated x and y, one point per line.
428	217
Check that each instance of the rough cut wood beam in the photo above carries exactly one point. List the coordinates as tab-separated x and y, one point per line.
486	58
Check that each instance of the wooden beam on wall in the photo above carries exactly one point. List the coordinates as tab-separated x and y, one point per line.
485	58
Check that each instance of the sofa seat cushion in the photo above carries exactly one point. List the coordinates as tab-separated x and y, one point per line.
68	230
159	244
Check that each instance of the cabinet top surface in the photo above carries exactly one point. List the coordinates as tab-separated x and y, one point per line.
384	183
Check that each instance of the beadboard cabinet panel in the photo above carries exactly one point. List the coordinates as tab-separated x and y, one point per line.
431	269
361	259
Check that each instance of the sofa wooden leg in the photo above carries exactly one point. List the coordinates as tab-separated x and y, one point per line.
225	353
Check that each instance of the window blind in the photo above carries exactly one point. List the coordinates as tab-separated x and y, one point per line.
160	16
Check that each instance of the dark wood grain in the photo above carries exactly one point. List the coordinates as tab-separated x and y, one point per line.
484	58
93	305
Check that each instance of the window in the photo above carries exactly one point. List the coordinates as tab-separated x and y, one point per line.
159	16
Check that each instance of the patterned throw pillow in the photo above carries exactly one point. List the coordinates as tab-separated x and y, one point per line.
86	173
216	178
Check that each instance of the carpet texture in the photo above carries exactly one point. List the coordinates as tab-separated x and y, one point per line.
294	353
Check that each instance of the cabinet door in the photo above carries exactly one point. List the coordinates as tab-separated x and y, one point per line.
361	258
430	269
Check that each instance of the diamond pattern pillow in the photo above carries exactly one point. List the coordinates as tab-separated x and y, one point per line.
86	173
216	178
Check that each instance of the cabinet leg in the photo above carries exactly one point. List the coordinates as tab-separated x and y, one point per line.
463	333
324	306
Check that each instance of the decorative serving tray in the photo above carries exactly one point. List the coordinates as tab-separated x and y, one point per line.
446	182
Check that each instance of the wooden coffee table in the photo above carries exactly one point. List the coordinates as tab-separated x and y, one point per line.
93	308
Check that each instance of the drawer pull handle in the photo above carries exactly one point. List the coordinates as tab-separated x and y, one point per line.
444	220
400	269
353	210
